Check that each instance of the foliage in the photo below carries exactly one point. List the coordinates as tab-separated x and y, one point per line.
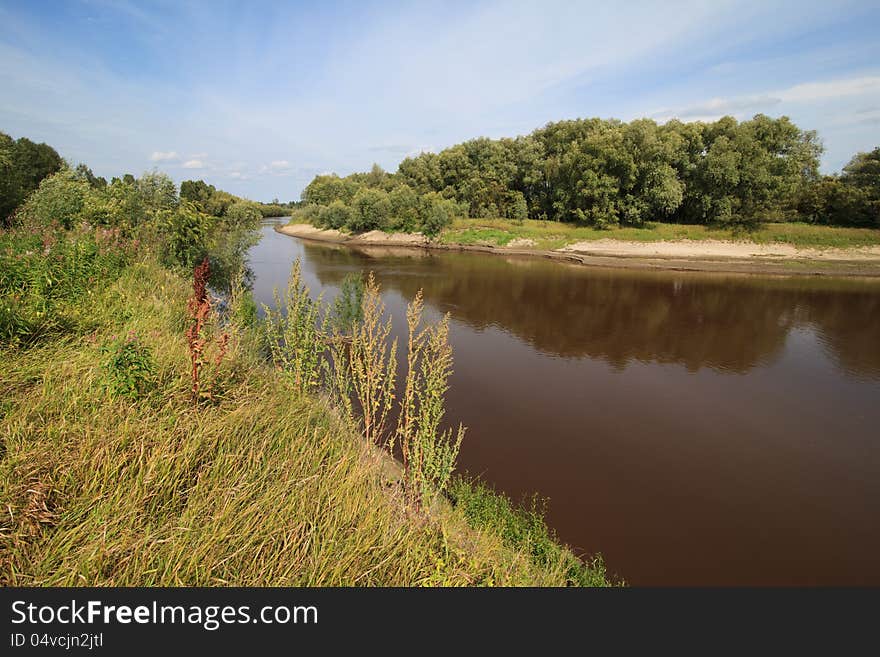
438	214
129	367
522	527
604	173
336	215
59	199
370	365
347	310
46	273
243	214
294	332
371	210
187	232
23	165
429	453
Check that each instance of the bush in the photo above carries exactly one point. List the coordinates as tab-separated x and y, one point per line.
44	272
336	215
186	235
404	208
438	214
307	214
243	214
59	199
372	210
129	367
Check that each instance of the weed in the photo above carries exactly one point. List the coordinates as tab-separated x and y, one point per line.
129	367
295	333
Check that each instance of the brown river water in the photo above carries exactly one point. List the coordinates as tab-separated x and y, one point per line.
694	429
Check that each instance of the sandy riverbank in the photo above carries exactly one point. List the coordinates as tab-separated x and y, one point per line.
693	255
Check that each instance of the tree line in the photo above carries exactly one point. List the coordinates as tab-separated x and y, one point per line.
604	173
77	193
39	189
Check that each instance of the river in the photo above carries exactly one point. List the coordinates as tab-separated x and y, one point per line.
693	429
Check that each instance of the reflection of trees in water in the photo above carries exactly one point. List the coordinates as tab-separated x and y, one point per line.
726	323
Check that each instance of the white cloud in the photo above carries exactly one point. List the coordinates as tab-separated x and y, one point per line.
812	91
166	156
193	164
806	93
198	156
279	164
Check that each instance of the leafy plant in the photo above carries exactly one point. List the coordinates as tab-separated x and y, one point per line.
295	335
129	367
347	308
371	364
429	453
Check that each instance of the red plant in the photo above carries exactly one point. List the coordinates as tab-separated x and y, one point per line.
199	308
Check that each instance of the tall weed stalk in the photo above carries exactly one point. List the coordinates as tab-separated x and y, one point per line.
372	364
429	453
296	338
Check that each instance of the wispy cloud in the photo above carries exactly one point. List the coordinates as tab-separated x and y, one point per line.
365	82
809	92
164	156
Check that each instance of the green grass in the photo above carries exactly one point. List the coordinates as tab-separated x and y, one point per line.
548	235
523	528
477	236
262	487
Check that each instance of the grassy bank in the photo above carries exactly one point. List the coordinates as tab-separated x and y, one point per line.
548	235
258	485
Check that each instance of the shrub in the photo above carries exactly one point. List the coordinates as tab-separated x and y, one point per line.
58	199
243	214
336	215
307	214
372	210
186	232
129	367
438	214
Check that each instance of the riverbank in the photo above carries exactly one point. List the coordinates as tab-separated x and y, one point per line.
584	246
110	475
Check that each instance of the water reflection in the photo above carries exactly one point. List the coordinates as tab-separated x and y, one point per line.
728	323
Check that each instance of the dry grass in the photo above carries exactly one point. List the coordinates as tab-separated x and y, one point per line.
263	487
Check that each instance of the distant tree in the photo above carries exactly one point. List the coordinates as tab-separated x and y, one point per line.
23	165
197	192
243	214
336	215
371	210
59	199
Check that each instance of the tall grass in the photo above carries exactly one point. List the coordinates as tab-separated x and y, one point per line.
267	486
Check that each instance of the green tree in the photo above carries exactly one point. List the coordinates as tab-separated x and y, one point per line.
59	199
23	165
371	210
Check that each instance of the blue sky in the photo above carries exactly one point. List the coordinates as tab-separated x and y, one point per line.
258	97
